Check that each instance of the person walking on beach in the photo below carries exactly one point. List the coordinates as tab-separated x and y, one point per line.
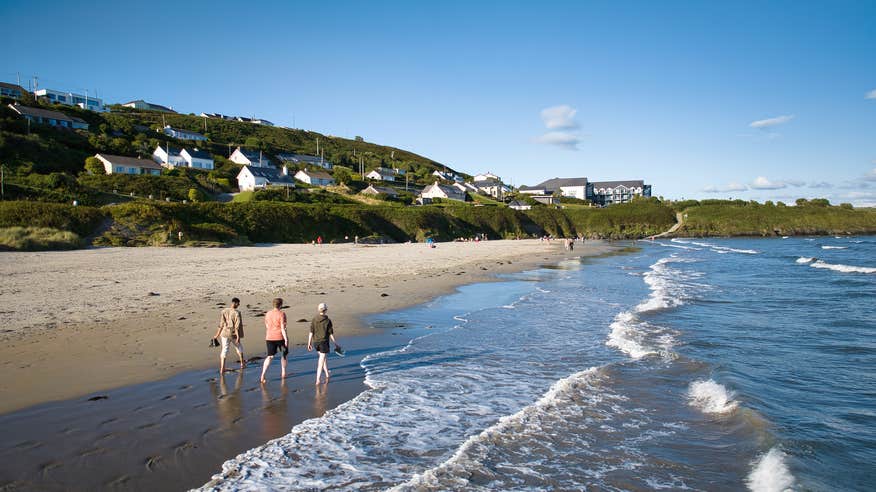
230	331
321	331
276	339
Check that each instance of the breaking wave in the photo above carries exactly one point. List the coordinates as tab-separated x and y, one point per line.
770	473
842	268
711	397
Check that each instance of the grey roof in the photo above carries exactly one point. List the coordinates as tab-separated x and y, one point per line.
293	157
198	153
317	174
386	190
180	130
614	184
271	174
517	203
450	191
253	155
129	161
151	106
43	113
487	182
170	150
557	183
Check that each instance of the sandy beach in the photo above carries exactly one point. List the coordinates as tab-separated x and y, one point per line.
121	316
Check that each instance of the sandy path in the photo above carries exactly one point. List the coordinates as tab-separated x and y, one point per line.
76	322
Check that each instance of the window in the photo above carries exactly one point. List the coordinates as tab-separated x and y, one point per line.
120	169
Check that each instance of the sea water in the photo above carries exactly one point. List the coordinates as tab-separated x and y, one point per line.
684	364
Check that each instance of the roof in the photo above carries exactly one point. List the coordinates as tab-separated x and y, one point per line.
13	86
171	151
382	171
488	182
557	183
269	173
129	161
518	203
152	106
198	153
42	113
450	191
614	184
251	155
317	174
293	157
386	190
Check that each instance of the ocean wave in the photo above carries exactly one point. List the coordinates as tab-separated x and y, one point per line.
719	249
834	247
711	397
805	259
770	473
505	424
842	268
625	337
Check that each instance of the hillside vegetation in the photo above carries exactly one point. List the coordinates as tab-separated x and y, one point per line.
157	223
740	218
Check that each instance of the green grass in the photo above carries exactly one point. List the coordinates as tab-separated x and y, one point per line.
765	220
37	239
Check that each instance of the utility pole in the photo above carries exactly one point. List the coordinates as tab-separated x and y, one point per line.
3	181
317	145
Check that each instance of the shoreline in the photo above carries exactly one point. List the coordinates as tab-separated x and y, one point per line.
177	431
166	334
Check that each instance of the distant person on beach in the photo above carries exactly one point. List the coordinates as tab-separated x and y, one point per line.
276	339
230	331
321	332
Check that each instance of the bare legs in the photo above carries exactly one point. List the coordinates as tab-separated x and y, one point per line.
322	366
267	363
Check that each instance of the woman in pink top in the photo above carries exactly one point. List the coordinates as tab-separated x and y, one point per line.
275	337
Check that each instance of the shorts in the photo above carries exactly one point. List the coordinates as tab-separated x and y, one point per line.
322	347
275	346
233	341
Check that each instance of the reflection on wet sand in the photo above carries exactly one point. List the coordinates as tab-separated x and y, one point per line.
275	420
320	400
229	406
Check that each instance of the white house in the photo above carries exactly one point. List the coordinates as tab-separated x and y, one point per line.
461	187
117	164
316	178
377	190
308	160
196	158
49	117
381	174
183	134
609	192
141	104
168	156
70	99
250	178
249	158
438	190
571	187
441	175
492	187
486	176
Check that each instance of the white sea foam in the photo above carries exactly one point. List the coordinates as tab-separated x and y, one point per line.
834	247
625	336
505	424
770	473
805	259
842	268
711	397
720	249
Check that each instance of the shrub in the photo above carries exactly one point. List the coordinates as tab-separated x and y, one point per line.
37	239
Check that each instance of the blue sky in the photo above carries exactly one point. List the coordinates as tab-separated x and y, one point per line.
753	100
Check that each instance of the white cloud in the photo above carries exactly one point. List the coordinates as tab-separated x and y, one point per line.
771	122
559	117
796	183
762	183
566	140
871	94
871	176
820	185
725	189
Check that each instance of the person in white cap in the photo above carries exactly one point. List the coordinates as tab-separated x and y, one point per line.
321	332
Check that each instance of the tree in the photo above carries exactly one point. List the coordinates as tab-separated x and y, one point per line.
94	166
195	195
342	175
359	139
